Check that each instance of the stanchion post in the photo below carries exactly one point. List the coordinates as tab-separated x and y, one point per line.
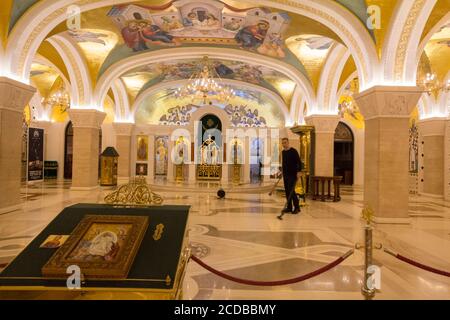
367	289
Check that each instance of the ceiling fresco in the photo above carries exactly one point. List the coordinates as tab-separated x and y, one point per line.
162	104
200	23
112	33
312	50
43	78
149	75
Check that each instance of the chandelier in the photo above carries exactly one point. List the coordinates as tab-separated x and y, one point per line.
205	84
431	84
59	99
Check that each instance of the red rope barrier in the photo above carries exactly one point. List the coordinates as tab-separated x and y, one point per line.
273	283
417	264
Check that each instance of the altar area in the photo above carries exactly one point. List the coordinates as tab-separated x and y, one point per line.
208	146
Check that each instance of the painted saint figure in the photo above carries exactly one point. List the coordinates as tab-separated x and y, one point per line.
161	158
251	37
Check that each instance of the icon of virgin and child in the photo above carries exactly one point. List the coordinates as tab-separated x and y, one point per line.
139	33
104	246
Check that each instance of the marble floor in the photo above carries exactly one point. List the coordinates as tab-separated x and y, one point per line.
241	236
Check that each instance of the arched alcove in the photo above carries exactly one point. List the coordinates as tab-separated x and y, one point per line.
344	153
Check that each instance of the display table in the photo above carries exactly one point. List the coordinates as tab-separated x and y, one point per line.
156	273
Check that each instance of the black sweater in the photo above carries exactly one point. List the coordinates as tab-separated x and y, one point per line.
291	162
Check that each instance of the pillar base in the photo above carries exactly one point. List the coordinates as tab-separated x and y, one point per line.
10	208
382	220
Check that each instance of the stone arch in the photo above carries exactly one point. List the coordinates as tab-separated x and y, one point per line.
44	16
194	53
77	69
402	47
165	85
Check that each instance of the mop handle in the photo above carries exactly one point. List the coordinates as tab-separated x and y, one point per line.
275	185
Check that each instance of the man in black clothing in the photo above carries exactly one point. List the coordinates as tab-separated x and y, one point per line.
292	167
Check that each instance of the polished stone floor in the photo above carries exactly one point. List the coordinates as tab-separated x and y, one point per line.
241	236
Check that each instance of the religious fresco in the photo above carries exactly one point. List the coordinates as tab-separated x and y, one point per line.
205	21
142	148
43	78
179	116
161	155
152	74
163	108
312	50
348	108
243	116
96	44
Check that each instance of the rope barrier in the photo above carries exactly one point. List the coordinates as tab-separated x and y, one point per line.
274	283
417	264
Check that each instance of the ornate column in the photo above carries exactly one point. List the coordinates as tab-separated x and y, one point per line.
13	98
123	145
386	178
447	161
432	132
86	129
324	129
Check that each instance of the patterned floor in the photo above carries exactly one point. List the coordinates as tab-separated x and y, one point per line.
241	236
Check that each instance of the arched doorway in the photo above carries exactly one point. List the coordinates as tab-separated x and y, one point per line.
68	151
344	153
210	148
256	160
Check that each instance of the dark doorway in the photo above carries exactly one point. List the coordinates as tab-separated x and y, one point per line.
68	152
344	153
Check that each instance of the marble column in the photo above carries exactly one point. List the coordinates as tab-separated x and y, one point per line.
447	161
170	164
86	129
13	98
324	129
386	178
432	132
151	159
123	133
246	160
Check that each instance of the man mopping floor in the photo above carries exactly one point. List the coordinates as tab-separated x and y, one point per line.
291	168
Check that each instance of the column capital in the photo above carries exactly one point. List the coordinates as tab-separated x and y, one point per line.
14	95
86	118
388	101
123	129
432	127
323	123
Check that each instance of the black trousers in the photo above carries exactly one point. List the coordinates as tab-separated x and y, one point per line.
291	197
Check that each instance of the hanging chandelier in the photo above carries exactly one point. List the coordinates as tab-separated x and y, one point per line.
431	84
205	85
59	99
